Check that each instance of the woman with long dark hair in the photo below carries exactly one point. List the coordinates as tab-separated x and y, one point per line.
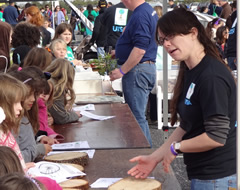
205	101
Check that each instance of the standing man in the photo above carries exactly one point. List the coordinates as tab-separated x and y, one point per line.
136	52
226	9
10	13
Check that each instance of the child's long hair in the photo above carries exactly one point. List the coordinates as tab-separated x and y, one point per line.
11	91
9	161
62	28
62	75
35	80
38	57
14	181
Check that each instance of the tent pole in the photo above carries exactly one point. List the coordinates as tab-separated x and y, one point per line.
165	86
238	100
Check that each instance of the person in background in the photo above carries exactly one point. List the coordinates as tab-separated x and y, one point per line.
48	12
214	7
58	17
232	41
62	76
226	9
221	40
109	4
99	33
47	24
34	16
10	14
171	4
65	14
21	16
5	41
204	99
212	27
114	23
89	11
136	52
1	15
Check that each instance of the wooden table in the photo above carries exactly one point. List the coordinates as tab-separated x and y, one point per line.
121	131
115	164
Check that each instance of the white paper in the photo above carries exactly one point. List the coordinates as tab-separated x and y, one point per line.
71	145
89	152
104	182
89	107
96	117
56	171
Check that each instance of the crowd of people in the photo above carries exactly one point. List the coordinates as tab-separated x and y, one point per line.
37	65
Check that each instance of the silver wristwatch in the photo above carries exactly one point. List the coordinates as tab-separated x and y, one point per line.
177	147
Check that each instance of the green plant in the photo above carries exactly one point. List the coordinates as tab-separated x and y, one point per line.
105	64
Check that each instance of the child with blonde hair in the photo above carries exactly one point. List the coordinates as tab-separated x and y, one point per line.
62	76
58	48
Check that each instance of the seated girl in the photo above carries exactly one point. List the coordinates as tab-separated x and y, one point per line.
62	76
58	48
44	101
64	32
12	92
29	123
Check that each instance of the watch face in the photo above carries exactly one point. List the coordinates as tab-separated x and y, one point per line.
177	146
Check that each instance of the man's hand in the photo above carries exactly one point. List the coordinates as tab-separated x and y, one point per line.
115	74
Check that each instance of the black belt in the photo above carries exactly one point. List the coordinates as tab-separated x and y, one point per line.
147	62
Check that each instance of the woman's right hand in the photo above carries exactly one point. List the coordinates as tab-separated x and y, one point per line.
144	167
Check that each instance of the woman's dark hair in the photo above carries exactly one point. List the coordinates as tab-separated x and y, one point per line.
181	21
25	33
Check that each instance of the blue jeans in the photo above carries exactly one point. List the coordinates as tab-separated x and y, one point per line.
137	84
216	184
232	62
